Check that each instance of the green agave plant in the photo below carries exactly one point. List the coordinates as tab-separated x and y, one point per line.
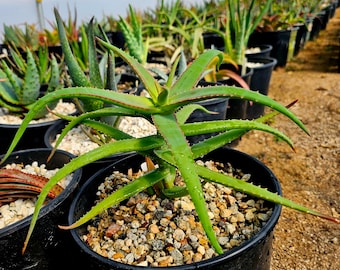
167	107
21	81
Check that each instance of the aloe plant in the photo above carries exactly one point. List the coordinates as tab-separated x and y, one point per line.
100	75
240	18
139	45
14	36
182	27
21	81
168	107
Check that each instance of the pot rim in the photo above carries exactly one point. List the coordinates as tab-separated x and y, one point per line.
228	255
51	205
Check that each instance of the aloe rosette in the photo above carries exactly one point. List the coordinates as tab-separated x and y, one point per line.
18	93
167	107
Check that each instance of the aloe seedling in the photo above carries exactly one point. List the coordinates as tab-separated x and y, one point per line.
20	84
167	107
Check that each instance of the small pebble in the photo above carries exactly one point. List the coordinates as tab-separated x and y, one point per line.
168	233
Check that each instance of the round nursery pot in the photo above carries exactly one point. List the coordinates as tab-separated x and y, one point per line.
300	37
292	42
264	52
278	39
32	138
216	105
253	254
317	25
213	41
48	246
50	137
260	81
237	108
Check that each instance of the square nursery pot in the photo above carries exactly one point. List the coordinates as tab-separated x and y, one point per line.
48	246
253	254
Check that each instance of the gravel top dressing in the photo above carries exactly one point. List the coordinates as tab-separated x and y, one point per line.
62	107
150	231
78	143
21	208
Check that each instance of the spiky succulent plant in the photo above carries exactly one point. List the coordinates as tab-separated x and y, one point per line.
20	83
167	107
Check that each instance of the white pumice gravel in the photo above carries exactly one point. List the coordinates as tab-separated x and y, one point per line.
254	64
253	50
150	231
62	107
21	208
78	143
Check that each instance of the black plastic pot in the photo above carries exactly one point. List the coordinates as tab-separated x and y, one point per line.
292	43
32	138
316	26
259	82
253	254
116	38
237	108
278	39
326	15
48	246
213	41
300	38
217	105
88	170
265	50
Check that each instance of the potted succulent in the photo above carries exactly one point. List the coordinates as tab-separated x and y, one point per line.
168	107
238	21
23	81
22	176
279	29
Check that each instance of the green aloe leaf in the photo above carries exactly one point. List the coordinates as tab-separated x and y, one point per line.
137	103
77	74
102	127
183	158
128	145
11	87
151	85
184	113
256	191
31	87
190	77
94	71
129	190
191	129
232	92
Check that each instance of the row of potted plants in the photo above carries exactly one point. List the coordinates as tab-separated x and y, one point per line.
172	25
168	102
